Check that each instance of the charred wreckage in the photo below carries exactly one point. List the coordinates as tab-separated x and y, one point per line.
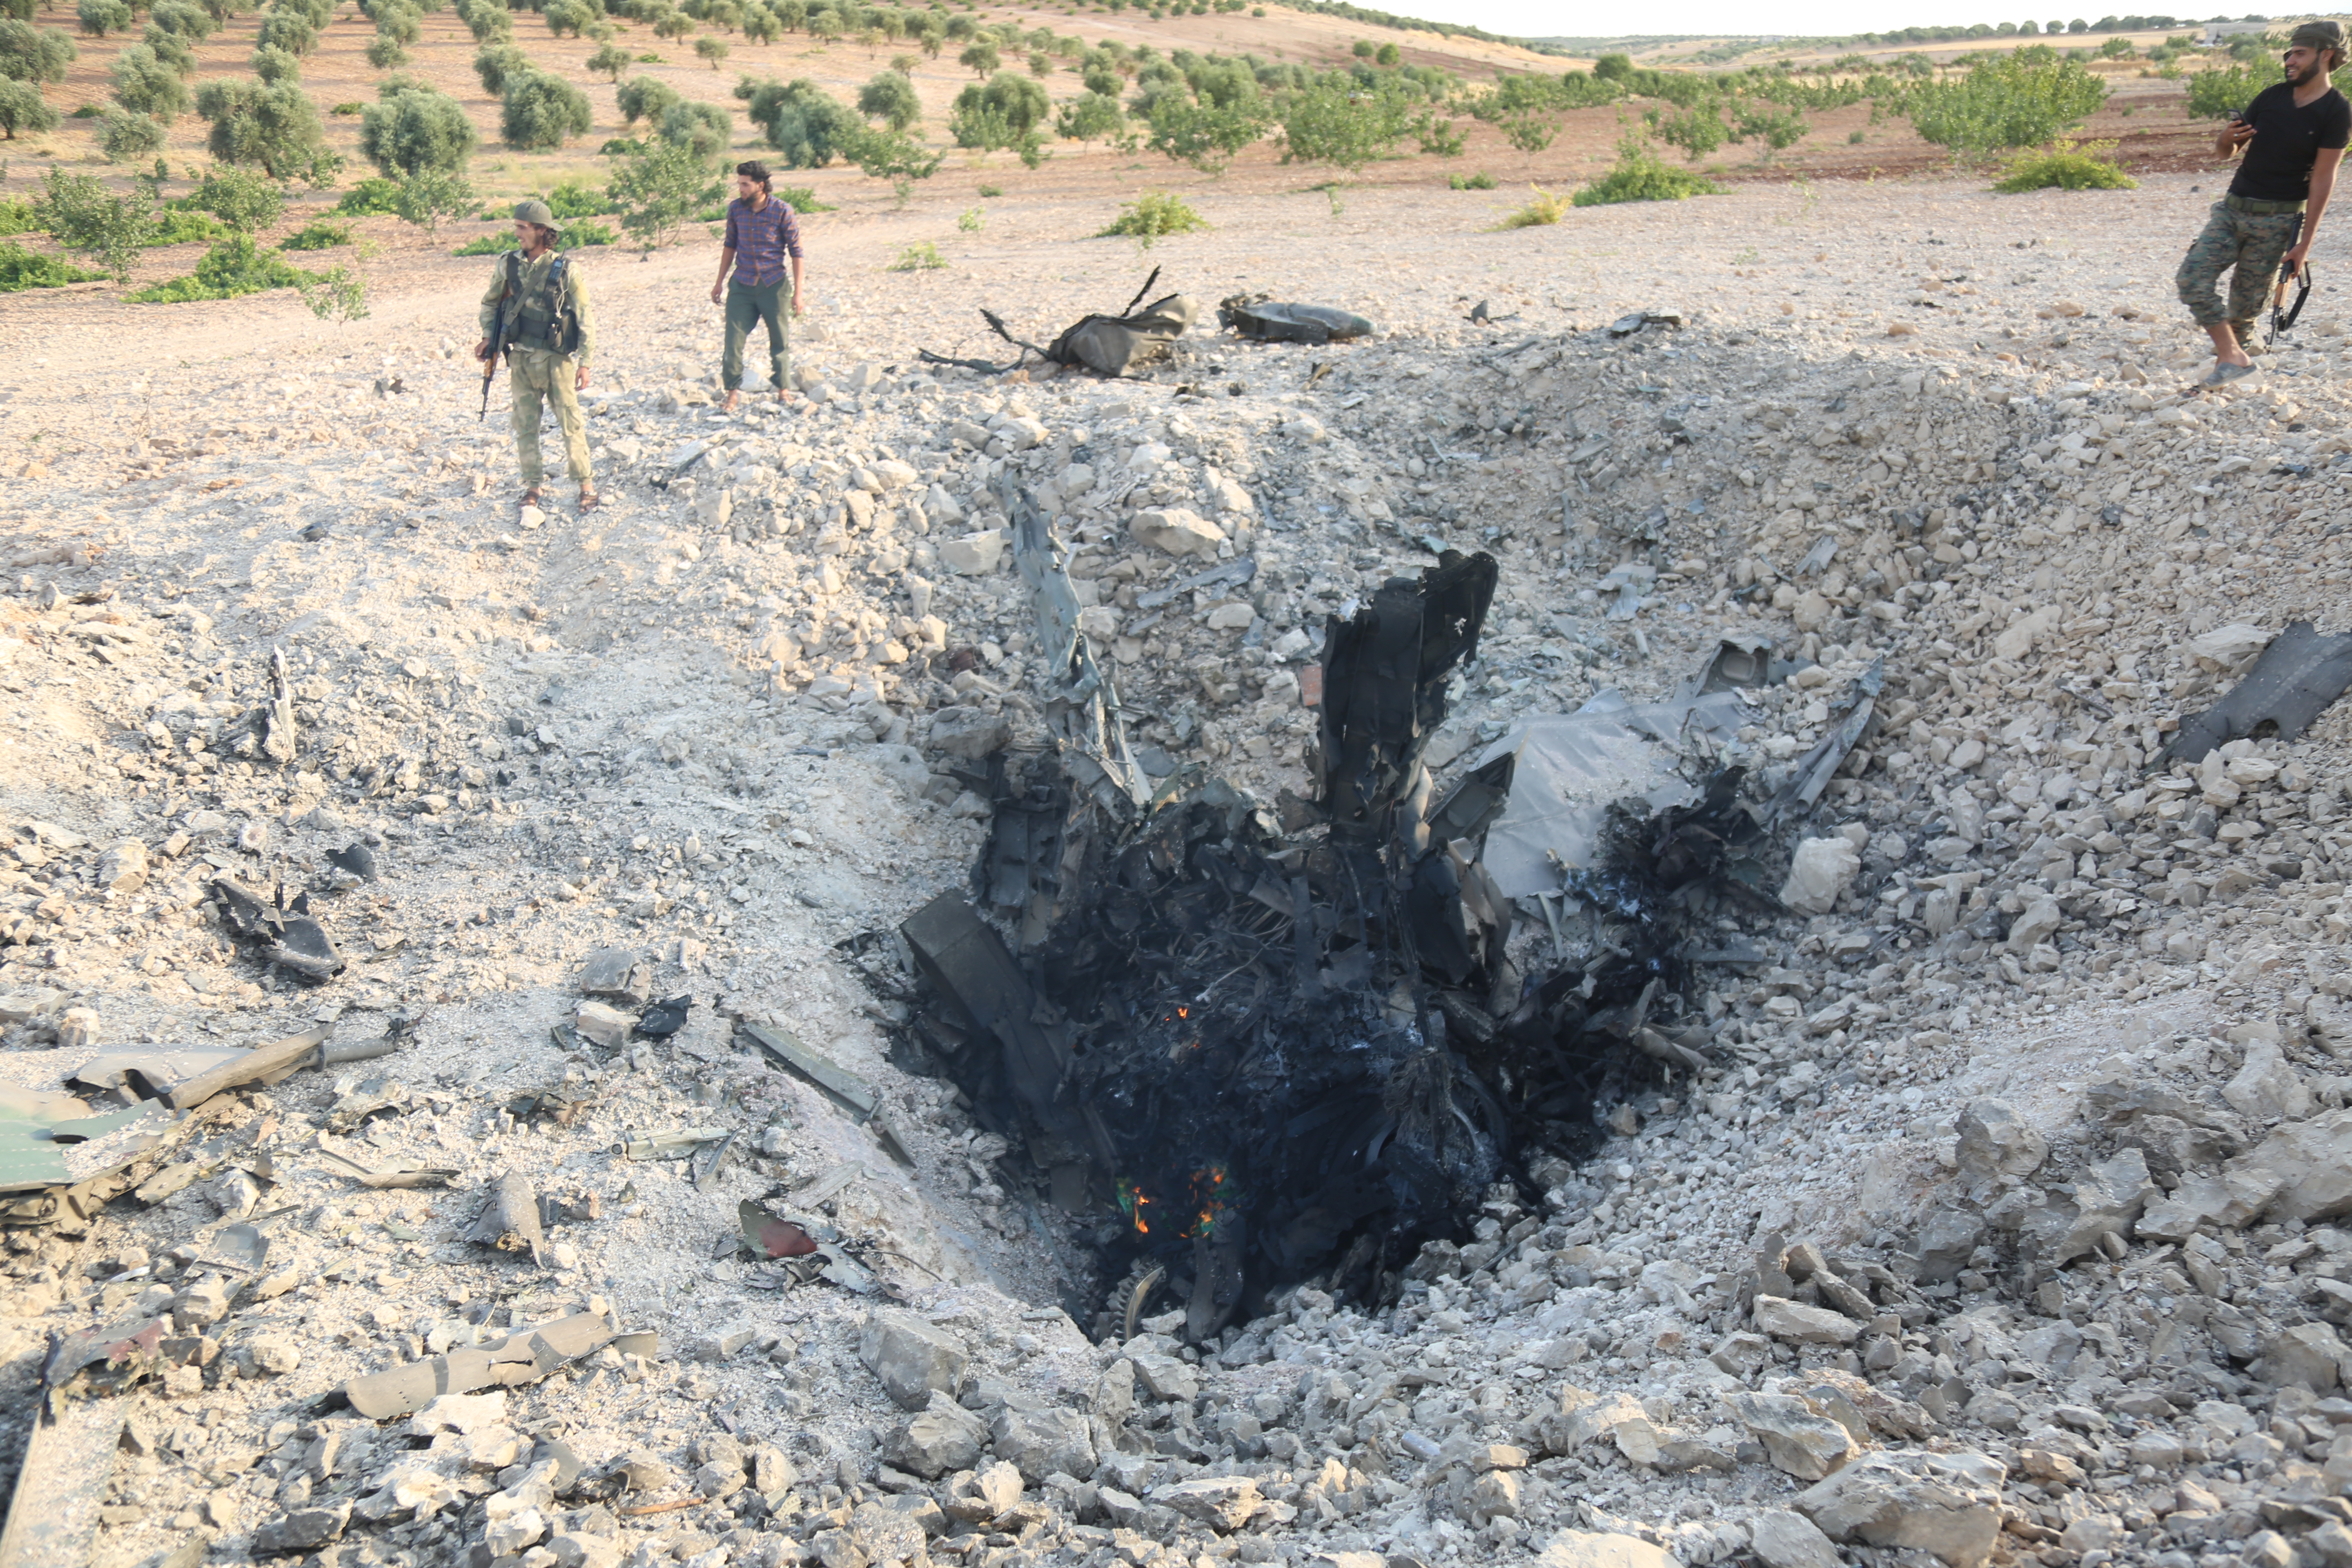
1258	1045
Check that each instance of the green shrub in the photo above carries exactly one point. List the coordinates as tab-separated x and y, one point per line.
145	83
704	128
247	202
493	244
1154	216
1547	209
431	198
230	269
609	61
80	215
319	236
2066	167
371	197
494	63
972	220
800	198
1090	117
642	97
172	49
1336	125
656	188
1481	181
31	54
417	128
276	127
573	199
17	215
274	65
288	30
22	108
991	193
2218	94
585	233
890	99
338	294
1640	175
806	124
2019	100
180	226
537	111
22	269
920	256
100	17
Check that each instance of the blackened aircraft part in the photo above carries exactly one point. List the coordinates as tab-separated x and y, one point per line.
2294	680
1813	772
1270	321
277	731
665	1017
1111	345
1384	673
965	960
291	939
358	860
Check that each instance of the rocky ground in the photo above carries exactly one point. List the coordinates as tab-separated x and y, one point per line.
2001	1227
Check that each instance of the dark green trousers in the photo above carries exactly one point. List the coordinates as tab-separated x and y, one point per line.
749	303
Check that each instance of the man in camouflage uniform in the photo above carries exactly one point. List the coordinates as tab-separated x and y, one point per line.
549	333
2294	136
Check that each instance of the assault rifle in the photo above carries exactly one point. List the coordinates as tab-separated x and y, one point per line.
497	345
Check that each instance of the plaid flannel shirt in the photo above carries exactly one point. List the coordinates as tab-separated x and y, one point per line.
761	238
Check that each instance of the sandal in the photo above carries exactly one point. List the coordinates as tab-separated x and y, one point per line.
2225	373
530	497
589	501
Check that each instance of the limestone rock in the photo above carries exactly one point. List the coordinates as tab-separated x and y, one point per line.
1793	1321
911	1357
1167	1377
78	1029
302	1529
943	1436
619	974
1994	1142
1947	1504
970	732
603	1026
2232	1201
1796	1439
1178	531
2266	1087
1224	1503
2308	1356
123	868
2037	924
1603	1549
1818	873
2308	1165
1785	1539
974	554
2108	1198
1041	1442
1583	1417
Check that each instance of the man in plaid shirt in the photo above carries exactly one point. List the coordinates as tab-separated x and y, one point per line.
761	233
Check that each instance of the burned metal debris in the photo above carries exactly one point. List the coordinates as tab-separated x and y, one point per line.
1107	345
1262	317
1256	1047
2298	675
289	935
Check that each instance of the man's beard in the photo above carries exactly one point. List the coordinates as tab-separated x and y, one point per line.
2307	75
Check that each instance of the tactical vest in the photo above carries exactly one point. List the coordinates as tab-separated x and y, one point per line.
542	316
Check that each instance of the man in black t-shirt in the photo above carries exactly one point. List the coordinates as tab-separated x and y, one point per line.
2297	130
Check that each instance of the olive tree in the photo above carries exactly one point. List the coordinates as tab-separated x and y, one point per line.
274	126
22	108
537	110
32	54
414	129
146	84
642	97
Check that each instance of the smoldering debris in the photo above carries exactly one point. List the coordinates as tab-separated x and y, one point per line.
1255	1044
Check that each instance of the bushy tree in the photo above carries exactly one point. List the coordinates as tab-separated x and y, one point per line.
34	54
247	202
564	16
385	54
1090	117
80	215
659	186
496	63
713	51
22	108
1014	100
537	110
761	25
894	156
804	123
609	61
487	19
1206	134
222	11
2023	99
276	126
673	24
147	85
979	60
289	30
192	23
172	49
1343	126
430	197
416	129
403	24
642	97
273	66
890	98
704	128
100	17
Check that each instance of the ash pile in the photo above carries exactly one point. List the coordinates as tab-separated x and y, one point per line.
1326	1041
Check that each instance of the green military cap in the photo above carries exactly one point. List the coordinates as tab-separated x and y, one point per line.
2319	35
539	213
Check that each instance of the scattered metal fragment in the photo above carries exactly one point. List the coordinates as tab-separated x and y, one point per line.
851	1093
149	1072
276	731
1853	717
768	1237
241	1246
1107	345
1260	316
1141	1294
669	1145
709	1164
1626	326
524	1356
356	859
291	939
2298	678
402	1176
665	1017
258	1063
509	1221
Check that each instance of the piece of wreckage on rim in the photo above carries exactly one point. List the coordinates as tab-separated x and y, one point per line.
1258	1046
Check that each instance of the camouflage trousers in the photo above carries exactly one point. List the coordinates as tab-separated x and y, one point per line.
535	378
2248	247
